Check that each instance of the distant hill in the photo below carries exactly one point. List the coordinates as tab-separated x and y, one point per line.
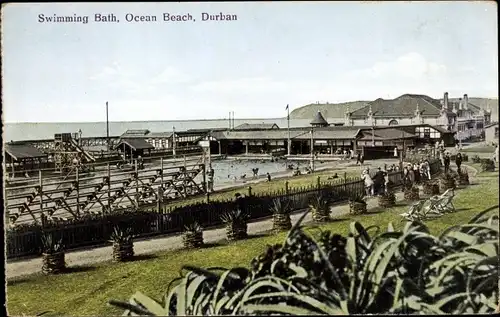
328	110
337	110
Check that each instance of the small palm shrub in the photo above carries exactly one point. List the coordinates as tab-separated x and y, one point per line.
357	205
412	193
53	257
192	236
462	178
123	244
405	271
447	181
387	199
487	165
476	159
431	188
320	208
281	209
236	222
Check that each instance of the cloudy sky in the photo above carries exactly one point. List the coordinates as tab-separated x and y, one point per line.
274	54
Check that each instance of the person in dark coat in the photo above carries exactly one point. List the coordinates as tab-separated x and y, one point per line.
358	158
268	177
447	163
458	161
379	180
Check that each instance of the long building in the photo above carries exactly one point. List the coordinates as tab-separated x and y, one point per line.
462	117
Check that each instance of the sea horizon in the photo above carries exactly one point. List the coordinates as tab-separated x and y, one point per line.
24	131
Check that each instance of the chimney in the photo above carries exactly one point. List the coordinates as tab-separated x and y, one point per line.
460	104
445	101
466	102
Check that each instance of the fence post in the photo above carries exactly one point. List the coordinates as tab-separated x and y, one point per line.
77	191
287	190
40	180
160	200
319	182
109	188
249	190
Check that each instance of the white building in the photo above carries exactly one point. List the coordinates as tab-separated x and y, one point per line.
466	119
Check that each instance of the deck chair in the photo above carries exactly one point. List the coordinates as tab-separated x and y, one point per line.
432	206
415	211
445	203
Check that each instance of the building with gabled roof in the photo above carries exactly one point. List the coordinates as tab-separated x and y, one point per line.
462	117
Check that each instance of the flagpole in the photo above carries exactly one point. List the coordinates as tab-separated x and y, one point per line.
289	140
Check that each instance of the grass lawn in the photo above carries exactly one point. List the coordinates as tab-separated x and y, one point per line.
480	149
87	292
272	186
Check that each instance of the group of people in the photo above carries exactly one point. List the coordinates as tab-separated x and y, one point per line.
446	161
417	172
376	185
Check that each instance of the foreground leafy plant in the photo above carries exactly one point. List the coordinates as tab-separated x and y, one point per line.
399	272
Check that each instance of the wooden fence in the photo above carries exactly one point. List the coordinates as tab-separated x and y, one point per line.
95	230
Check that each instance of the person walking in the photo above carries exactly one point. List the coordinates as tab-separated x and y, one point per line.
416	173
458	161
365	176
378	181
447	163
358	158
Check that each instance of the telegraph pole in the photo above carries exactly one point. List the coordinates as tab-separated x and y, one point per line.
312	149
107	127
289	139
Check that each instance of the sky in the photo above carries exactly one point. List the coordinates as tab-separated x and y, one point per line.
274	54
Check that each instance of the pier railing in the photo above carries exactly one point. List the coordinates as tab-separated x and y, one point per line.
94	230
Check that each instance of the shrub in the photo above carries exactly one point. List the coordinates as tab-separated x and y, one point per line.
387	199
192	236
476	159
53	258
408	271
236	222
411	193
357	205
320	208
487	165
281	209
123	244
447	181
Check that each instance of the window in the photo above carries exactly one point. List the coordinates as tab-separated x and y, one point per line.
393	122
427	133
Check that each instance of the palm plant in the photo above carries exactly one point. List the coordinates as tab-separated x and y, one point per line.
236	222
192	236
123	244
430	187
320	208
387	199
411	193
281	209
357	204
447	181
409	271
487	165
53	257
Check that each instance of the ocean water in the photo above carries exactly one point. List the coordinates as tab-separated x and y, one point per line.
46	130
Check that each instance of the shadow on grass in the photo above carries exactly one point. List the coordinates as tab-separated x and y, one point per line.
257	235
78	269
143	257
214	244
